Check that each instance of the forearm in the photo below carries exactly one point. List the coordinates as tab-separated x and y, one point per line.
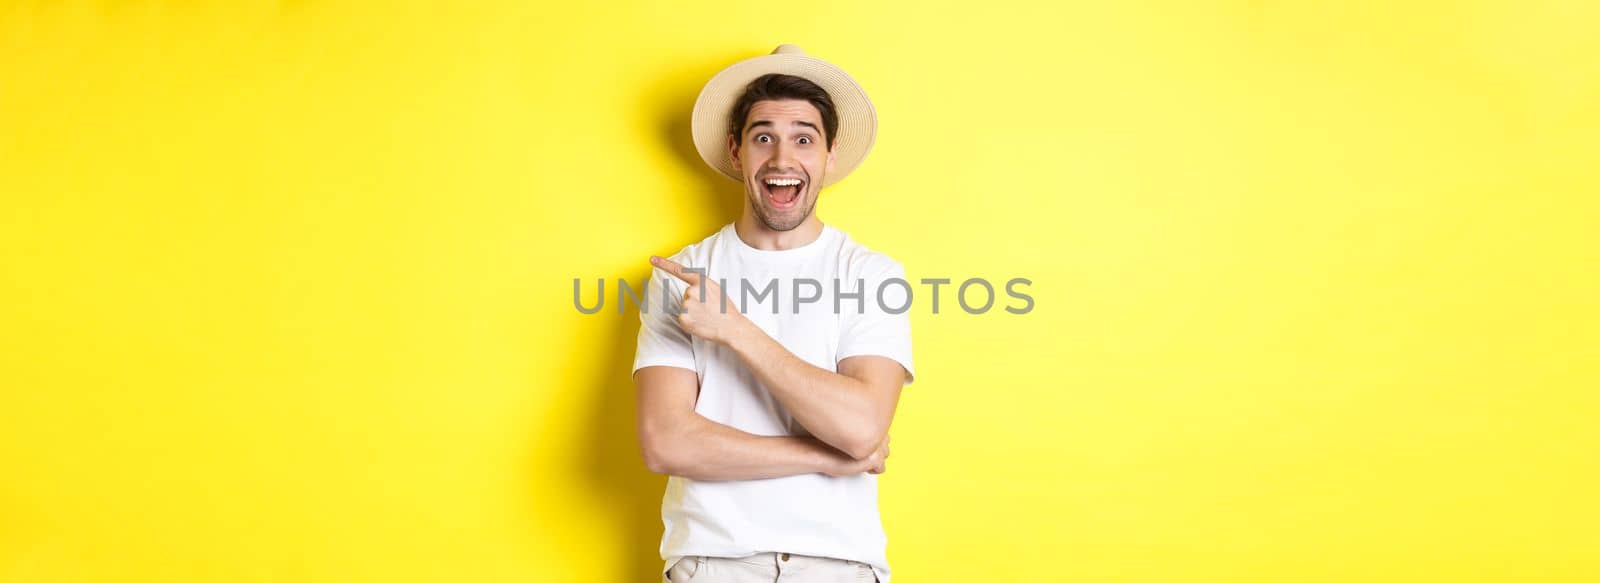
833	407
707	450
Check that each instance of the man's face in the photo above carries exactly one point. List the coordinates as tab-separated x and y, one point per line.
783	157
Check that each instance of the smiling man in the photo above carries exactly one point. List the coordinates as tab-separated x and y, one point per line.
770	407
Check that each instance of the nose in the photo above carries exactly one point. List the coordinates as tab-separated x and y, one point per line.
783	156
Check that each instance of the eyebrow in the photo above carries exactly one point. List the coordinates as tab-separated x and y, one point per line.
768	123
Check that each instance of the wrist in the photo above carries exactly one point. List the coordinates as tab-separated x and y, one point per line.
829	460
741	333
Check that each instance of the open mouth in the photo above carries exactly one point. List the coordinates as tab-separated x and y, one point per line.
782	192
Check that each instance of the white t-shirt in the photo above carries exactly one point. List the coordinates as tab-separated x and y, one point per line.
809	514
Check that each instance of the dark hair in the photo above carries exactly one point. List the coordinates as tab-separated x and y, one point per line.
779	86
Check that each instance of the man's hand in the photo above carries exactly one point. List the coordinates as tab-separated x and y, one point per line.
707	313
876	463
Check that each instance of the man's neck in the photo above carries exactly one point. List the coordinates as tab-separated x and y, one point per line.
756	234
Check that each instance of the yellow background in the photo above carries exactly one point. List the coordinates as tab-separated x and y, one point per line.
287	287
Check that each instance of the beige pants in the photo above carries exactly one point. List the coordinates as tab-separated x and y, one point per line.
769	568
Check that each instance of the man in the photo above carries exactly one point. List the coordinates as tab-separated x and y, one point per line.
767	405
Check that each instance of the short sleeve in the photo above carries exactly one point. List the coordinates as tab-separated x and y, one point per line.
662	342
883	326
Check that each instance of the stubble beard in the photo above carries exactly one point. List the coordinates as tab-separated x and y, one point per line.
781	224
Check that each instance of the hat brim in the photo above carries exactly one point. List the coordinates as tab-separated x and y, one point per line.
858	122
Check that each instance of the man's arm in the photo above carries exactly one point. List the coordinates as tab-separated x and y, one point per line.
677	441
850	410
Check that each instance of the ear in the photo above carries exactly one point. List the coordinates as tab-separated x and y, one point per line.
733	152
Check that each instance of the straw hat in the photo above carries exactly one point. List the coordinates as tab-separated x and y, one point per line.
858	123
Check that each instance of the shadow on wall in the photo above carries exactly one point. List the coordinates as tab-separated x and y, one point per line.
611	465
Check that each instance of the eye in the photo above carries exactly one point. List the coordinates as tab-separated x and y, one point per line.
764	138
805	139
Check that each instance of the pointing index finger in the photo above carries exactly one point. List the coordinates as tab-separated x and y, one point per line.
678	271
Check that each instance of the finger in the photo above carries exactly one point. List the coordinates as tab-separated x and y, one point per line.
676	270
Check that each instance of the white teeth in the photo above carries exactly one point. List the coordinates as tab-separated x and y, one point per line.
783	181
